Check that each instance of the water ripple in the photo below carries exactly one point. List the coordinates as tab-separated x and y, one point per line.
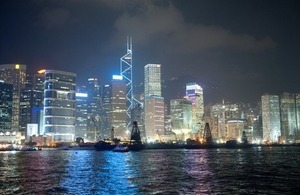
203	171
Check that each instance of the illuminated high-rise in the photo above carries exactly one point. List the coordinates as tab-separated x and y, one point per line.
81	115
118	107
152	84
288	115
154	117
234	129
297	105
106	102
31	101
181	115
94	116
14	74
270	118
126	72
154	108
194	93
59	105
6	100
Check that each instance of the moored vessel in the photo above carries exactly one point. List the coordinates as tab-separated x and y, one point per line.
121	148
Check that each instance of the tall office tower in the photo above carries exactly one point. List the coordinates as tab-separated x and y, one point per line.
38	80
152	84
220	115
6	101
181	116
154	103
31	101
297	102
288	116
14	74
95	124
194	93
218	121
118	107
81	115
126	73
59	105
270	118
234	129
154	117
106	102
31	105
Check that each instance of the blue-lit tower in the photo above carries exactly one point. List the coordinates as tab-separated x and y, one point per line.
126	73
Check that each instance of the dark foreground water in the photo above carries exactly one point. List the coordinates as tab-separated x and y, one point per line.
206	171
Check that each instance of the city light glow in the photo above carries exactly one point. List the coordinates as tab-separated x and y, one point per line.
117	77
42	71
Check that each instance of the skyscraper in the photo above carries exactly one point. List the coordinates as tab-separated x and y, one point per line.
194	93
297	102
6	100
154	117
181	115
81	115
31	100
59	105
118	107
106	102
288	116
95	116
270	118
154	104
152	84
14	74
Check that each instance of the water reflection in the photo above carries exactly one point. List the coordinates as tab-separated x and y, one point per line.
211	171
31	171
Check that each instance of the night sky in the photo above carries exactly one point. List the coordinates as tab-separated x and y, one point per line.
236	50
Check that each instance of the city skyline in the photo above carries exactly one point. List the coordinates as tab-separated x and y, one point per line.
236	51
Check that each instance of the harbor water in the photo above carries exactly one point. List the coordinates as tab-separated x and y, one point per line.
257	170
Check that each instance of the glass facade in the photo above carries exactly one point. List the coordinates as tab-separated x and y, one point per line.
154	117
6	99
154	104
117	113
181	115
270	118
81	115
59	105
288	115
152	82
14	74
95	116
194	93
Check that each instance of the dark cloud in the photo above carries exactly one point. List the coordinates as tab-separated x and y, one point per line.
54	18
234	49
166	25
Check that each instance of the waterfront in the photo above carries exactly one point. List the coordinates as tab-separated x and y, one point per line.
265	170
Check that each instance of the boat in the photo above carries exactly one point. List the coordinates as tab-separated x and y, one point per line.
27	148
233	143
103	145
121	148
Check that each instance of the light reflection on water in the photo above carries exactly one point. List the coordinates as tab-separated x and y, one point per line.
212	171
